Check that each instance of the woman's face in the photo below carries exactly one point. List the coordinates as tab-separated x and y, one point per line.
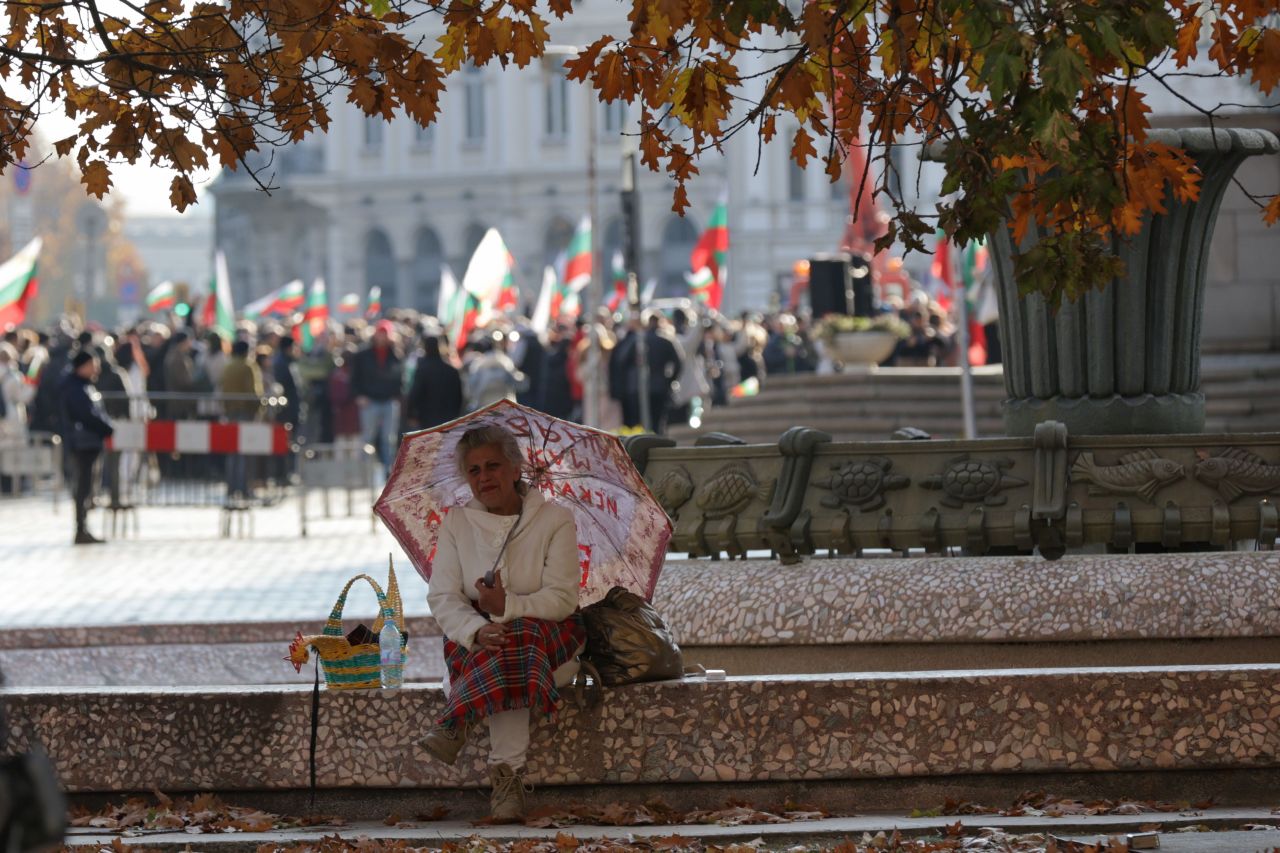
492	478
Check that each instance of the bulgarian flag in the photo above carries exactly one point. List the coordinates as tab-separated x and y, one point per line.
980	302
711	253
18	284
283	301
577	265
162	297
375	302
488	286
551	292
618	272
316	315
219	313
350	304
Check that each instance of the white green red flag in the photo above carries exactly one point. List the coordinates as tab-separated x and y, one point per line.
540	321
577	264
980	298
349	304
162	297
219	313
375	302
316	315
711	253
618	275
19	284
488	286
281	302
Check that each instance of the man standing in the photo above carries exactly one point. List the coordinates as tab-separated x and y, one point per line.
84	430
180	377
376	381
664	369
240	380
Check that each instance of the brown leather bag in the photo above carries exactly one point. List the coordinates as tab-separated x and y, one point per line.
627	641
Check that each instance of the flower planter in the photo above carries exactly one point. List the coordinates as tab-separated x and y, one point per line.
1126	359
871	347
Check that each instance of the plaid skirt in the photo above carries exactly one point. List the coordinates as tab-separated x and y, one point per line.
519	675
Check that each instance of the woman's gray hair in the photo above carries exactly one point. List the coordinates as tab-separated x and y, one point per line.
482	436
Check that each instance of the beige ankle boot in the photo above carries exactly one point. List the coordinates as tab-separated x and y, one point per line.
506	803
443	743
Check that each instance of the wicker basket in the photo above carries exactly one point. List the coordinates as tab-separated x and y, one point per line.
348	667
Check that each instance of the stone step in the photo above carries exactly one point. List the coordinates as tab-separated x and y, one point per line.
821	615
795	728
867	405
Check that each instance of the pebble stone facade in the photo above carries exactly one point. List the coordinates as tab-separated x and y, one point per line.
755	603
980	599
740	730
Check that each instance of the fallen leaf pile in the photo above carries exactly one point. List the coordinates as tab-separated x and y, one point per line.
993	840
1039	804
200	814
657	813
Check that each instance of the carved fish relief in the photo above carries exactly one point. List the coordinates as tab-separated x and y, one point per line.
673	490
1142	473
732	490
1235	472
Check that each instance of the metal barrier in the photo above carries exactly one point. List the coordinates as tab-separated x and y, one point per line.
350	465
36	462
236	465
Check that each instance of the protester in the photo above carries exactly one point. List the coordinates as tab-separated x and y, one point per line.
242	382
284	369
376	382
491	375
436	394
85	429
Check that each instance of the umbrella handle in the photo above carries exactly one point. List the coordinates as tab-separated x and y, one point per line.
490	578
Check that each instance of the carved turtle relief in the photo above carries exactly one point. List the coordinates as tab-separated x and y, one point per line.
966	480
861	483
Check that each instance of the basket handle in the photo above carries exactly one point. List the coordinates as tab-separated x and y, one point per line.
333	628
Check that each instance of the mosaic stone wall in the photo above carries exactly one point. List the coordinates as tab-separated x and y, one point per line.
972	599
749	729
845	600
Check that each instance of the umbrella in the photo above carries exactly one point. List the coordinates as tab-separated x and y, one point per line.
622	530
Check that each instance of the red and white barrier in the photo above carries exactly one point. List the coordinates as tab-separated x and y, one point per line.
248	439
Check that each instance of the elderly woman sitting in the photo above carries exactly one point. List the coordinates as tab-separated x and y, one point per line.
508	645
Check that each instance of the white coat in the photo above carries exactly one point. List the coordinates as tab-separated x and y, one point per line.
539	566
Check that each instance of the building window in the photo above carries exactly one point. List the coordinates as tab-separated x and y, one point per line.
795	178
555	104
615	115
473	92
373	132
424	137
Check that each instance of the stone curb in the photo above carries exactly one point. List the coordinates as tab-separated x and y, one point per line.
830	830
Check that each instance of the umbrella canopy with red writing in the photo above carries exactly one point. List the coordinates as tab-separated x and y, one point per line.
622	530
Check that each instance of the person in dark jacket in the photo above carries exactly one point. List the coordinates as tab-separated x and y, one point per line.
665	364
436	395
285	370
85	429
557	398
377	372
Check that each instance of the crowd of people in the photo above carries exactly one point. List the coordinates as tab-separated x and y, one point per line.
368	381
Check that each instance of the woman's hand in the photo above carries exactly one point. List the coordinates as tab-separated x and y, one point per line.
492	637
493	600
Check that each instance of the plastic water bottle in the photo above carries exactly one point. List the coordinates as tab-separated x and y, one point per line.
392	656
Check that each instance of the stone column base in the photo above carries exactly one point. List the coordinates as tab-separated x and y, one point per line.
1146	414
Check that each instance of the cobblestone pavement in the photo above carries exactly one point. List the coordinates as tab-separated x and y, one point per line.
177	568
